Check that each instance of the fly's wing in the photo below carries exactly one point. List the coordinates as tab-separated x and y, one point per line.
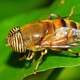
57	38
72	45
60	39
61	46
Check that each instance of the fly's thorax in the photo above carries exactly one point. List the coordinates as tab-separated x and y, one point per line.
15	40
33	34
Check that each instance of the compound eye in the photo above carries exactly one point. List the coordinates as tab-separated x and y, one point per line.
15	40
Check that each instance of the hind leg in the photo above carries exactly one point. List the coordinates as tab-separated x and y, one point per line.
71	12
74	53
58	16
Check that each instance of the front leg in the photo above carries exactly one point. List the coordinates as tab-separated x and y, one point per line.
74	53
40	60
29	57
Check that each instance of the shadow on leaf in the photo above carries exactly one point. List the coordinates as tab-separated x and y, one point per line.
62	53
13	60
55	73
51	74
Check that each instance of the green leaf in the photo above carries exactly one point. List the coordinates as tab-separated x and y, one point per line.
71	72
10	67
18	69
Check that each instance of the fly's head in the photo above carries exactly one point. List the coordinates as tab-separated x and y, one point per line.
15	40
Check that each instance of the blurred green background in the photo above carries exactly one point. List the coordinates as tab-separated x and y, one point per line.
21	12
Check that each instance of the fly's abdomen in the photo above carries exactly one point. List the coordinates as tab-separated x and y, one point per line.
76	34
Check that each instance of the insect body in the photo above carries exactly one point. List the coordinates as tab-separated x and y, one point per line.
52	34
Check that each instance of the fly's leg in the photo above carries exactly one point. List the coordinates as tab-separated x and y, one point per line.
58	16
75	53
30	55
40	60
71	12
73	45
